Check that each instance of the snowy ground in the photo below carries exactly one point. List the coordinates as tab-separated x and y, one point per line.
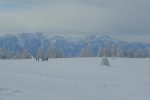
75	79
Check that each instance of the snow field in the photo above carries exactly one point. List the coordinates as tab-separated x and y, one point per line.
75	79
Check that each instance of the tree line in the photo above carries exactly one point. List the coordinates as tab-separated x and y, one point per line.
55	52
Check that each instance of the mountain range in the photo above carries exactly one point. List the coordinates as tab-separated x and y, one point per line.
73	46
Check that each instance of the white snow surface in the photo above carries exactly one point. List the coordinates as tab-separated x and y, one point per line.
75	79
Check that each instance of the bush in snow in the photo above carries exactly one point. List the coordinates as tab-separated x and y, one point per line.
105	61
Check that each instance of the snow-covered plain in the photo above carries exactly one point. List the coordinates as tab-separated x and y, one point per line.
75	79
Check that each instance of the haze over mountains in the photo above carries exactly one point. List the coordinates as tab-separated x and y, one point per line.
90	46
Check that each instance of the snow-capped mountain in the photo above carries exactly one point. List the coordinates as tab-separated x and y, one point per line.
73	47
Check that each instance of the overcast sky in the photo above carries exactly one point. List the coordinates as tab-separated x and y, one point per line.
121	18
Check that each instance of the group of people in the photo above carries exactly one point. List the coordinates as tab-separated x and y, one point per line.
43	59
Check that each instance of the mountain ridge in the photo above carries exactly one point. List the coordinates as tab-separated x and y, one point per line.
70	47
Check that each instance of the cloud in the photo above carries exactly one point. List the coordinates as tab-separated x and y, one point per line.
76	16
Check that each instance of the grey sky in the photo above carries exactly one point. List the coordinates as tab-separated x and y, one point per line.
112	17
